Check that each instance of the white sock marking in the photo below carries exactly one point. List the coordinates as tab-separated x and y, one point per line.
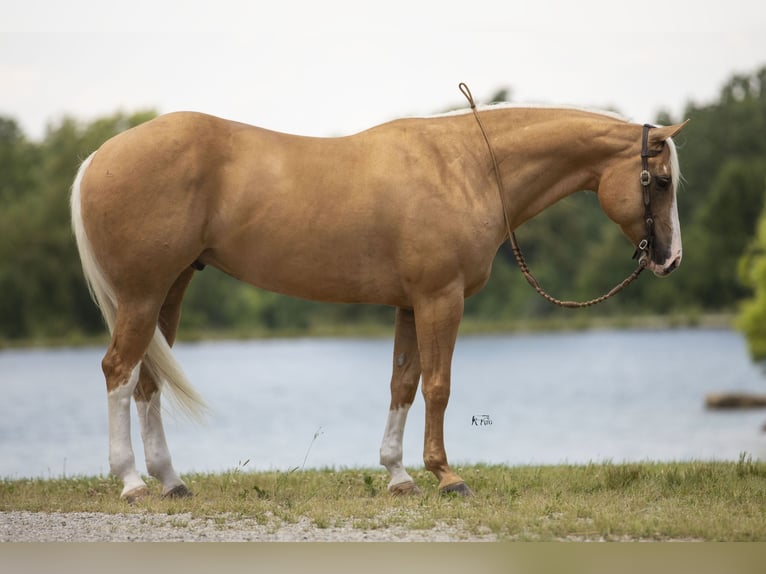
158	460
391	447
121	459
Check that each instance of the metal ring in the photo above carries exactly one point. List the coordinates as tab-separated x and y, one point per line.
645	177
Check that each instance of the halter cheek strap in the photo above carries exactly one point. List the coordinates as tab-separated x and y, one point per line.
644	249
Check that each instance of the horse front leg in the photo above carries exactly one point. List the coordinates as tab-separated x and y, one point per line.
437	320
404	385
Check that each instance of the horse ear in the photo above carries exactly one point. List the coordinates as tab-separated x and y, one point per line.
657	136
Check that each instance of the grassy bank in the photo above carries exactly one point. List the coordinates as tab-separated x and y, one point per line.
647	501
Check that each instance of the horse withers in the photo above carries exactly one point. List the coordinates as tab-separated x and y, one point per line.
407	214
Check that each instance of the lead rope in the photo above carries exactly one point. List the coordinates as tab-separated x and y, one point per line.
512	236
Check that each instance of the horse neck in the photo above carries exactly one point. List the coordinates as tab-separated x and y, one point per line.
545	155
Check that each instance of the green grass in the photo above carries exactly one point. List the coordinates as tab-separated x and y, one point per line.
713	501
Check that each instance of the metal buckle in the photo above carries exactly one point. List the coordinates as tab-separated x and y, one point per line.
643	244
645	177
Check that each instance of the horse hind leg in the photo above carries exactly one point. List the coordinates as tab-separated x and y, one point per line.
157	455
404	385
147	396
132	333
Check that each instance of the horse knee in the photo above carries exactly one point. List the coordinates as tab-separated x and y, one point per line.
436	394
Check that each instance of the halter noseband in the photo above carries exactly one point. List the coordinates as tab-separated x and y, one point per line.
643	251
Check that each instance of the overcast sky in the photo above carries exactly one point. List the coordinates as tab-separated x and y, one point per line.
333	67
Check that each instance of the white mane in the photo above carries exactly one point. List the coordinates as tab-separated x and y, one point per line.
507	105
675	170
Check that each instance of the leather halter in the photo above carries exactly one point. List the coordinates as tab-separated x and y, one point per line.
644	248
643	252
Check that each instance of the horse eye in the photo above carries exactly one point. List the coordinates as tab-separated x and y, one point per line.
662	182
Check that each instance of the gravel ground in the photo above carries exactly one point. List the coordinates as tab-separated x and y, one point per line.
98	527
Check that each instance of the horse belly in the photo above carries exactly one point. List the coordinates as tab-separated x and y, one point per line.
317	267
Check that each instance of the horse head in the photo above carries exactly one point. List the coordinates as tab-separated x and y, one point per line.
638	192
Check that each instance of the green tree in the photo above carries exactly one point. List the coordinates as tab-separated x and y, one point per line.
752	270
17	160
722	153
40	277
724	226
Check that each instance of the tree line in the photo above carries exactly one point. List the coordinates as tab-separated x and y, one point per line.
573	249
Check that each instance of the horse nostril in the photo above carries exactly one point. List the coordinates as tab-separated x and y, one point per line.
666	269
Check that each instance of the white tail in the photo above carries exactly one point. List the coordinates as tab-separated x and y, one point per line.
159	358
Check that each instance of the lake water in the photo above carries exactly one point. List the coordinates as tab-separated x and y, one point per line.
516	399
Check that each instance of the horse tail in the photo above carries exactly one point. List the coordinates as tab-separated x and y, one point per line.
100	289
159	360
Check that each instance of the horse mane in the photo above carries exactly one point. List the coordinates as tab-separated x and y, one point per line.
509	105
675	169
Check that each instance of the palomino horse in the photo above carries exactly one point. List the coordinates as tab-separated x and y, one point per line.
407	214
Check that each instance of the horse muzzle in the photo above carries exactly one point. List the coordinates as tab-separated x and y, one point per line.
662	269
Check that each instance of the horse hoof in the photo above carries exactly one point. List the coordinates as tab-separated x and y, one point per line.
459	488
408	488
133	496
180	491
